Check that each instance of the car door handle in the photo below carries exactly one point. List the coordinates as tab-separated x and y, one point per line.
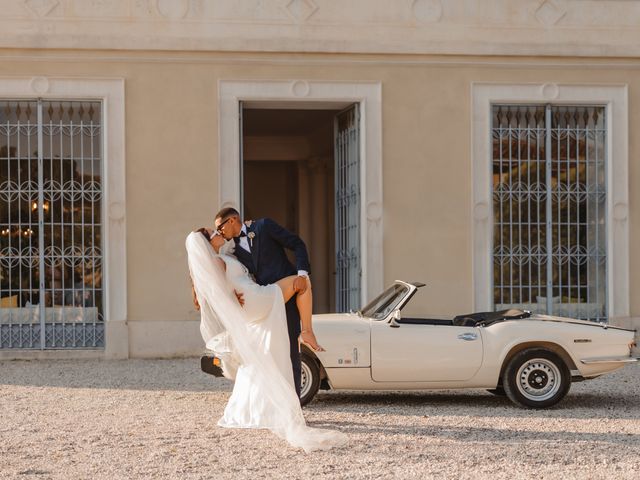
469	337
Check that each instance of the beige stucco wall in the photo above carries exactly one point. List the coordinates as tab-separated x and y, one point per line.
172	164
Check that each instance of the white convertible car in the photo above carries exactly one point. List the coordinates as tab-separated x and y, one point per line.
529	357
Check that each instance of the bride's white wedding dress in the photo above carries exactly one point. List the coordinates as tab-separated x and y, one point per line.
253	339
264	313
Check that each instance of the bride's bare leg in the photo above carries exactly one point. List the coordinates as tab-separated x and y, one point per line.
286	285
304	302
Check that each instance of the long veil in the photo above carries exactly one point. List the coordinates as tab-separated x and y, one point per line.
221	312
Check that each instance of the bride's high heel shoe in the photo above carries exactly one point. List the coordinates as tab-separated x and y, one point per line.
319	349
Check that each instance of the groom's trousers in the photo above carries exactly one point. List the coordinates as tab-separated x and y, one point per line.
293	326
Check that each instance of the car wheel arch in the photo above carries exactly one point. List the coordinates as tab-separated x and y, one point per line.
311	353
551	346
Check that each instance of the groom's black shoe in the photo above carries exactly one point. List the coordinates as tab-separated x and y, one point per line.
211	365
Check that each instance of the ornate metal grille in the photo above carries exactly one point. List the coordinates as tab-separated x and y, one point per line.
50	225
549	192
347	154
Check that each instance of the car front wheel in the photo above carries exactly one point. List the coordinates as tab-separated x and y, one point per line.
310	381
536	378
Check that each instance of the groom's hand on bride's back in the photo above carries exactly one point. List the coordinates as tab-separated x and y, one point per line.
240	297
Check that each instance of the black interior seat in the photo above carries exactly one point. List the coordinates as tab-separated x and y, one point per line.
487	318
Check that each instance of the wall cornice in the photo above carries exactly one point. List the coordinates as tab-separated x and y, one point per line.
491	27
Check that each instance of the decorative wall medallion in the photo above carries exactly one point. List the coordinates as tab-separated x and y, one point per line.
300	88
620	211
41	8
481	211
548	13
39	85
427	11
301	10
116	211
173	9
550	91
374	211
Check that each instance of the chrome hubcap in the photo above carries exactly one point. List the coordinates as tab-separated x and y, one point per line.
305	380
539	379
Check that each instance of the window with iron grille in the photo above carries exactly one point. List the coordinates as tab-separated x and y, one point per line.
51	273
549	215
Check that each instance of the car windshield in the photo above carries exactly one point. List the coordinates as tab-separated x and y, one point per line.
386	302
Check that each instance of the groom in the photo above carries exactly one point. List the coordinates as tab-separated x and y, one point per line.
260	246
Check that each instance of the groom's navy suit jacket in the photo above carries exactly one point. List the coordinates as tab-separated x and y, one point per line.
268	263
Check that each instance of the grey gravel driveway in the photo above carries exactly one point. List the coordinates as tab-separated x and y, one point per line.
140	419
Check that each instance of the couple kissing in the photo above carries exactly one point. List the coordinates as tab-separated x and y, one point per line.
255	307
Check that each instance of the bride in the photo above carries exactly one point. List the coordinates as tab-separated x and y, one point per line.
253	342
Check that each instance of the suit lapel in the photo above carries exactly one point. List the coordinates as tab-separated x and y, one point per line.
254	243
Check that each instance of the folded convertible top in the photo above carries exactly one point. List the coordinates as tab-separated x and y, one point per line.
484	319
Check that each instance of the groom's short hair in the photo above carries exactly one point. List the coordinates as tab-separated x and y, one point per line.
227	212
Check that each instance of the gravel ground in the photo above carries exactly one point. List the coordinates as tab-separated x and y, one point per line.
157	419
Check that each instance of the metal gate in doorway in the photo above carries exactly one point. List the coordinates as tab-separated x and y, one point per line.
347	191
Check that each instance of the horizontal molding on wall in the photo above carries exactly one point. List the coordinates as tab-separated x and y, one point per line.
312	59
490	27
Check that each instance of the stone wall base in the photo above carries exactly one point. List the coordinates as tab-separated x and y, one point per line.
130	339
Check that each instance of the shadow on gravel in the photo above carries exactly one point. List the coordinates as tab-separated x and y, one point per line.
582	405
483	434
616	396
153	375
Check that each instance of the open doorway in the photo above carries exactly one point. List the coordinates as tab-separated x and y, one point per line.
358	178
288	174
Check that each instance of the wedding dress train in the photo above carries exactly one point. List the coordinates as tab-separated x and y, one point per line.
254	343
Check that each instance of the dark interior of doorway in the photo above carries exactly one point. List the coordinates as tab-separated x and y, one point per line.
288	175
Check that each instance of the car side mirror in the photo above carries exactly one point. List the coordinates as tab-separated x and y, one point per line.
395	317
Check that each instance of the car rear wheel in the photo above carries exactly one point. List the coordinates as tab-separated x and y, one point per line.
310	381
536	378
